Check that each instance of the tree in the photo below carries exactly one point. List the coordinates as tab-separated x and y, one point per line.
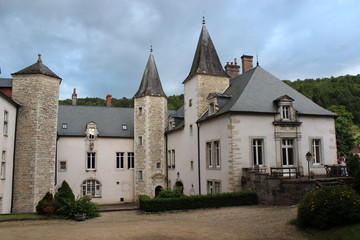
345	137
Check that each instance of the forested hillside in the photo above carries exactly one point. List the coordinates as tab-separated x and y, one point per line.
174	102
342	90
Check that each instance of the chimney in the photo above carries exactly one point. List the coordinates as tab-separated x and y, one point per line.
108	100
74	97
232	69
247	62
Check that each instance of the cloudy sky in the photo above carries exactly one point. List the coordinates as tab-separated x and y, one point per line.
101	46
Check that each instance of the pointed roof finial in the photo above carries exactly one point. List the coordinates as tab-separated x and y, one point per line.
203	21
151	48
257	60
39	59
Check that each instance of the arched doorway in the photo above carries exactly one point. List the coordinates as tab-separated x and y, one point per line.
158	190
180	184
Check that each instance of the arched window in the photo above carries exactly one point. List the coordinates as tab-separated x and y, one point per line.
91	187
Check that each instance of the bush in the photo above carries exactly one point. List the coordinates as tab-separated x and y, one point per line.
148	204
63	200
46	205
176	192
353	165
83	205
329	206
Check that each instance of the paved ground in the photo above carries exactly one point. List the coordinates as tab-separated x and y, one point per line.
248	222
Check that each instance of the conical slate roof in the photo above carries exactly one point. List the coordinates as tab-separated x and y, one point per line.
150	83
206	60
37	68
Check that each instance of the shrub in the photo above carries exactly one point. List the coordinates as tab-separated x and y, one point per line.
63	200
353	165
329	206
46	205
176	192
83	205
148	204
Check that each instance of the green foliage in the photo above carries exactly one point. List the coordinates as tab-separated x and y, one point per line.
345	137
174	102
148	204
329	206
353	166
83	205
63	199
46	205
176	192
342	90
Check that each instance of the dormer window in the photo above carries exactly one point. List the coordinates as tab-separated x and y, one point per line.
213	106
124	127
171	123
91	131
285	110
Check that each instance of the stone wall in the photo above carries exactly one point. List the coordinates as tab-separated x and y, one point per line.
150	126
276	191
35	140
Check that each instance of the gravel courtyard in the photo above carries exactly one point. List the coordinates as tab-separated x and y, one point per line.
247	222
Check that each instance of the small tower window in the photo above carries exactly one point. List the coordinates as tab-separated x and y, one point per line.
140	141
140	111
190	102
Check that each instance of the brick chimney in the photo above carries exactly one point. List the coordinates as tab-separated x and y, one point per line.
247	62
108	100
74	97
232	69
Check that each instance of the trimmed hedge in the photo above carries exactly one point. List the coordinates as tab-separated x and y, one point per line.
148	204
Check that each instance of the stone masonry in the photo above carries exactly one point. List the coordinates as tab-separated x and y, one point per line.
36	138
150	124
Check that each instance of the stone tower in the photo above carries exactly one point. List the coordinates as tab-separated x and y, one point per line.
36	88
150	115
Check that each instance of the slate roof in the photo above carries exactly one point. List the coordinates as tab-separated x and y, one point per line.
5	82
37	68
9	99
109	120
150	82
206	60
255	91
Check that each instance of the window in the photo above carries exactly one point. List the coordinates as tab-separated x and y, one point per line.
213	187
91	133
90	164
285	112
62	166
258	151
140	175
6	119
213	154
91	187
64	126
140	111
191	129
119	160
158	165
140	141
212	108
190	102
217	153
316	150
173	158
124	127
288	152
131	163
2	166
209	154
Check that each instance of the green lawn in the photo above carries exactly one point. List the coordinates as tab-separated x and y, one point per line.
340	233
20	216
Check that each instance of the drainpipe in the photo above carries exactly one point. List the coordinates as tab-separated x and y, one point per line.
198	143
56	159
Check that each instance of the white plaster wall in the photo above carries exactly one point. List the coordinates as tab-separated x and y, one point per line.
115	184
7	144
217	129
322	128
